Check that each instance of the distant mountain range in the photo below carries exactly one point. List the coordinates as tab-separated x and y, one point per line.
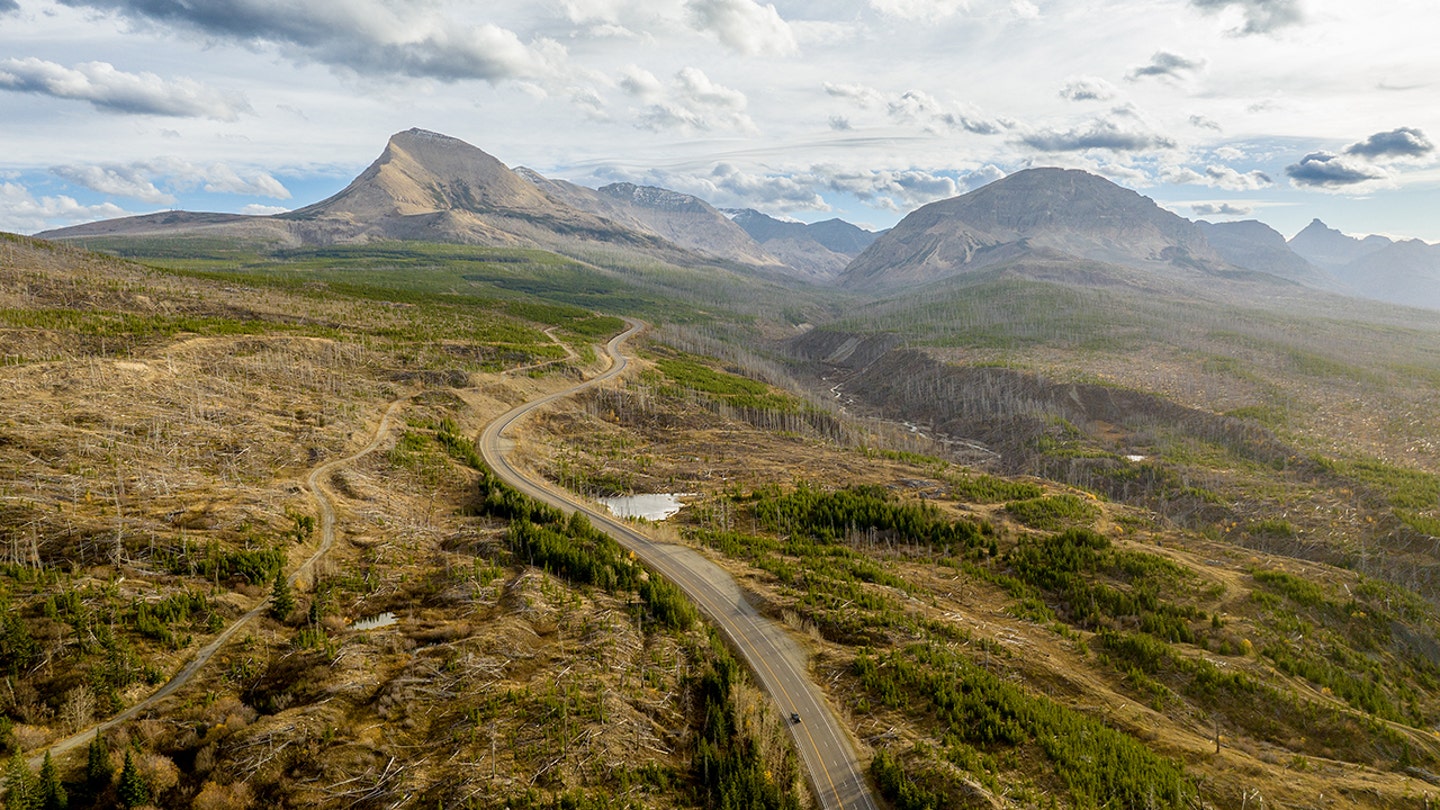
1058	222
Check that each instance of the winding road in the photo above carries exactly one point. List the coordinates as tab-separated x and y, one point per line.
779	663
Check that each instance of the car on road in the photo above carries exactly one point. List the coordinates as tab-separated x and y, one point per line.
794	717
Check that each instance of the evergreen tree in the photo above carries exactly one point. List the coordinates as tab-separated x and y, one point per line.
98	771
20	786
282	600
52	793
132	790
97	767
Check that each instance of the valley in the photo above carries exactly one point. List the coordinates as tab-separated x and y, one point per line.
1046	497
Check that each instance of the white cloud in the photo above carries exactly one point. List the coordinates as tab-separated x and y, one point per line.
745	26
695	103
1222	209
920	9
155	181
862	95
257	210
1087	88
112	90
1119	133
1218	176
641	83
119	181
915	106
887	189
22	212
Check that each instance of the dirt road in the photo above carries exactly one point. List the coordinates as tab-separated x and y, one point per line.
327	539
775	658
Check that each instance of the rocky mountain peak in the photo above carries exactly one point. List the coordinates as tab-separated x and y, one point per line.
652	197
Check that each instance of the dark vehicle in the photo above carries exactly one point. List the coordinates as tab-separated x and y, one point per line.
794	717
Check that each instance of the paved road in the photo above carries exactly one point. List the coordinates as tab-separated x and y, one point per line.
304	572
779	663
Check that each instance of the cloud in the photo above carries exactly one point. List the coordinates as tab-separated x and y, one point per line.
1087	88
860	94
7	6
1101	133
1405	142
257	210
221	179
156	181
786	192
371	37
1165	65
22	212
936	10
920	9
112	90
983	176
1261	16
840	123
695	102
888	189
1220	177
1201	122
1325	170
641	83
119	181
745	26
918	106
1225	209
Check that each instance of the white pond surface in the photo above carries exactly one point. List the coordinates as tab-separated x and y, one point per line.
375	622
650	507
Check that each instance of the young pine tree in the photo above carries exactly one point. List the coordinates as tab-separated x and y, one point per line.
98	771
282	600
20	785
132	790
52	795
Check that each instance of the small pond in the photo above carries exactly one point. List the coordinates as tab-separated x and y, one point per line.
650	507
376	622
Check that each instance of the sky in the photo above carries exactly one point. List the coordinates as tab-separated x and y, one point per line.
1277	110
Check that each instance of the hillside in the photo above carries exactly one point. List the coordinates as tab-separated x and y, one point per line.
161	427
1033	212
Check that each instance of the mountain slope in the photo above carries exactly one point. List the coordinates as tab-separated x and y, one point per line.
820	250
1253	245
1326	247
1072	212
1402	273
685	220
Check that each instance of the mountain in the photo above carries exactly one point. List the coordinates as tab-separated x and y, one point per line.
1033	213
820	250
426	186
1376	267
1401	273
687	221
1253	245
1326	247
